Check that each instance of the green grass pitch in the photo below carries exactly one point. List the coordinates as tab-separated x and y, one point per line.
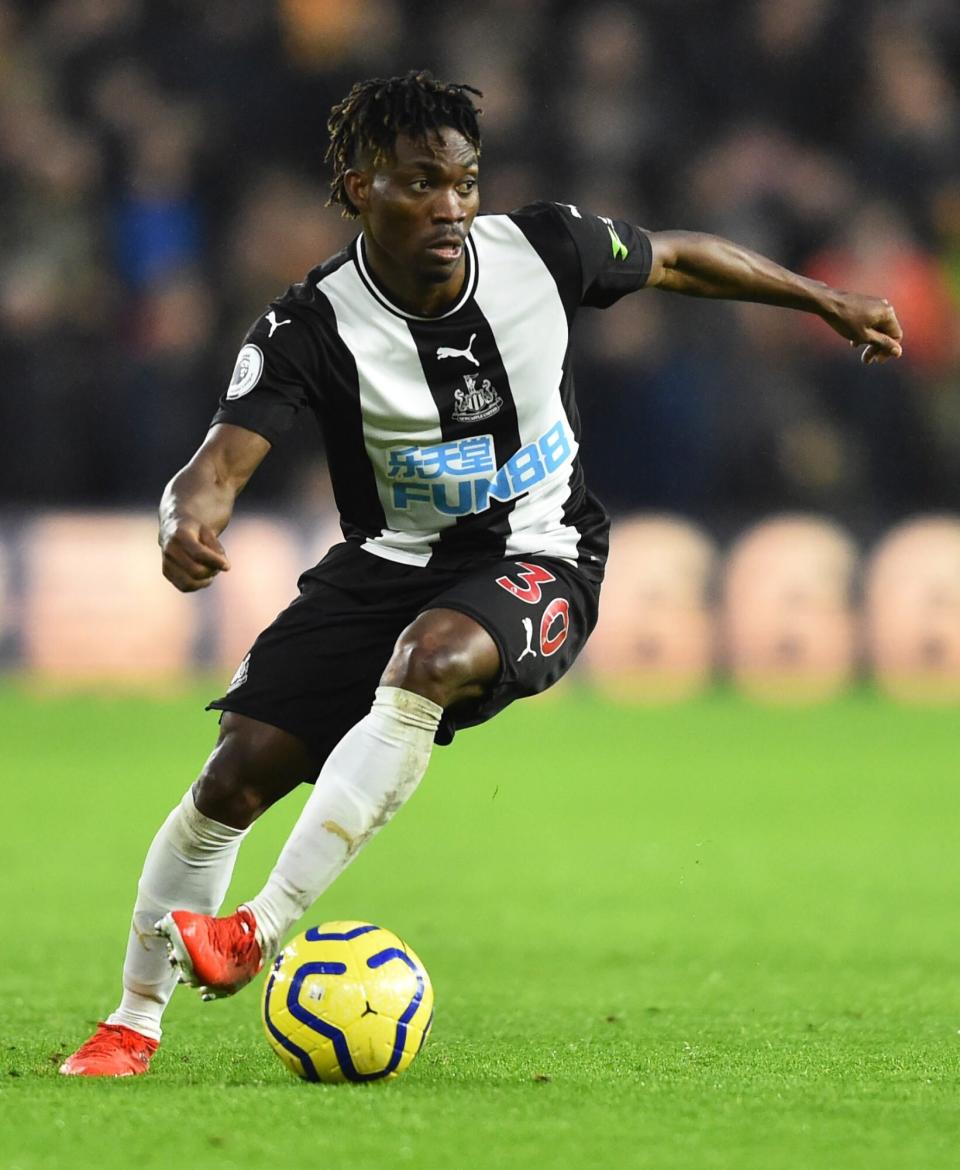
707	936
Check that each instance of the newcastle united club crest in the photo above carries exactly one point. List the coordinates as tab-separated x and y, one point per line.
475	402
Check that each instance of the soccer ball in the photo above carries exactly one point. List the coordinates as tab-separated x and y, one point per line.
347	1001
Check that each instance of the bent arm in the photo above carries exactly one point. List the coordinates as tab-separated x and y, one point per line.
198	502
708	266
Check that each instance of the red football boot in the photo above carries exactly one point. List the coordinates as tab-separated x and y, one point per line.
218	955
112	1051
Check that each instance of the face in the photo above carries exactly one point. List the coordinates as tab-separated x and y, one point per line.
417	208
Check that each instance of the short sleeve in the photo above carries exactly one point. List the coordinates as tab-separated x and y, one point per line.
615	256
276	373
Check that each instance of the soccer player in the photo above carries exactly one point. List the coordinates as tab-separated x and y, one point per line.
434	350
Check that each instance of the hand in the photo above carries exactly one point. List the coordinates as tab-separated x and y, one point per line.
192	555
867	321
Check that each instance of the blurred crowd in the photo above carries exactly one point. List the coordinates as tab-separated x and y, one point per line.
162	176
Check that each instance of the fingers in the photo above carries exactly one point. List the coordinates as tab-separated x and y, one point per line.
870	322
181	580
883	339
185	574
872	355
190	562
880	347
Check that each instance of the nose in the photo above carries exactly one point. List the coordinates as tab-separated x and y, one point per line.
448	206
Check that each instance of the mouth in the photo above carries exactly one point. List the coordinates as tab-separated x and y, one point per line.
448	248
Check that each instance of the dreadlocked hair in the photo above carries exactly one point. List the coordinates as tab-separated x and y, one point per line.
374	112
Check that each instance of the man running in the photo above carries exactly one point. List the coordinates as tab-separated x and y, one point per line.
435	352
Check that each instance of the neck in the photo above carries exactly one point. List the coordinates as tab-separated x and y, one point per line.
408	290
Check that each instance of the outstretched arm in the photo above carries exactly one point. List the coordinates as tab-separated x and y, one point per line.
708	266
198	502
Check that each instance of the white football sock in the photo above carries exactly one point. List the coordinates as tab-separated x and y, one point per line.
367	777
187	867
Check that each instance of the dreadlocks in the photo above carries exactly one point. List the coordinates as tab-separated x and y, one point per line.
374	112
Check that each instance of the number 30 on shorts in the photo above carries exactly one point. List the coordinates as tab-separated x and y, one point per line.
555	623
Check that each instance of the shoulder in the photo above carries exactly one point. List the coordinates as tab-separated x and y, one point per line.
540	225
561	232
561	219
543	211
322	272
534	219
307	294
301	315
604	257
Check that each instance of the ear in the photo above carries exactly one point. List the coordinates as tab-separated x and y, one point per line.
357	186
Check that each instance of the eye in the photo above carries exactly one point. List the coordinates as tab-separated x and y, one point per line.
466	186
419	185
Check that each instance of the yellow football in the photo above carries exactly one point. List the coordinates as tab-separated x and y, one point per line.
347	1001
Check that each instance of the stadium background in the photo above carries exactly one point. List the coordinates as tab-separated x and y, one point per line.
163	176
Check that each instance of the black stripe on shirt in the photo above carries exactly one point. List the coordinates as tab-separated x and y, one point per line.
476	535
341	420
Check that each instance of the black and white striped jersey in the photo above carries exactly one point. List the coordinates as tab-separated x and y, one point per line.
453	439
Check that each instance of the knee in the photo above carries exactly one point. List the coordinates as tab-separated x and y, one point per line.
445	656
224	793
430	666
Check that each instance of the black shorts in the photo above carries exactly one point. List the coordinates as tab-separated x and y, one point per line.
314	670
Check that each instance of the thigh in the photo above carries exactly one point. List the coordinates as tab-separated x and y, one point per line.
313	672
539	612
